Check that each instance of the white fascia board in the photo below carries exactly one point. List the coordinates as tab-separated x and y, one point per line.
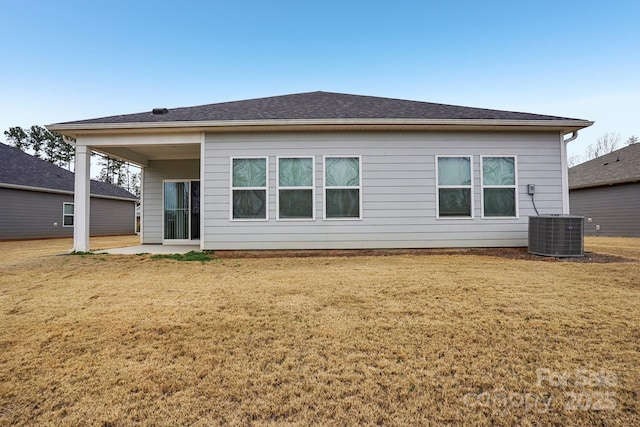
97	140
100	196
38	189
328	124
65	192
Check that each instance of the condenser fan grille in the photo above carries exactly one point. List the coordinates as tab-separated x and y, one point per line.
556	235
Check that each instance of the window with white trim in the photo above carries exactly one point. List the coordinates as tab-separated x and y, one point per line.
455	186
249	188
296	176
67	214
342	187
499	187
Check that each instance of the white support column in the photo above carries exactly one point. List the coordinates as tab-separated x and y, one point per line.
82	199
141	233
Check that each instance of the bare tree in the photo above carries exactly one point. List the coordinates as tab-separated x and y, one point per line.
603	145
576	159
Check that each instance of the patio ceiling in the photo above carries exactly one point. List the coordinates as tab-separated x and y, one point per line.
141	154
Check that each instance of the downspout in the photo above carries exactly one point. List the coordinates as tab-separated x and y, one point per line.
203	169
574	136
565	172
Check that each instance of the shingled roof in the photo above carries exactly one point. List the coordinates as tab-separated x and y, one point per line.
20	169
315	106
618	167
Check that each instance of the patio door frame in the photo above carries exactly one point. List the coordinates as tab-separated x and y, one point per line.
190	240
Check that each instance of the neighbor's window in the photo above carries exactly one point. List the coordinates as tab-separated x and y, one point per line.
249	188
295	188
342	187
455	187
67	214
499	184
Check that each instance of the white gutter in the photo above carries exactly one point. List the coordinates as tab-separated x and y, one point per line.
568	124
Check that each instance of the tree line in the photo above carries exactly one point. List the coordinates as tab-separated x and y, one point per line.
54	148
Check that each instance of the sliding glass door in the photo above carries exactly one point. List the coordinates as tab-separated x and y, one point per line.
181	210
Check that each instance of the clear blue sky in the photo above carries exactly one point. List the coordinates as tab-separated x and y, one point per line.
71	60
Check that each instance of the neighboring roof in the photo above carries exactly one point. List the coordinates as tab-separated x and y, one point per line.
617	167
314	106
20	169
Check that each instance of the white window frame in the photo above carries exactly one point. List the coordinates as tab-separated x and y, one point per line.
64	214
311	187
324	187
469	187
265	188
514	186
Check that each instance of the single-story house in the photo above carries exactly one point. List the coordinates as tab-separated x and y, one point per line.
606	191
37	200
324	170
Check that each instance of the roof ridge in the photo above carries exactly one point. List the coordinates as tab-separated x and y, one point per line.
318	105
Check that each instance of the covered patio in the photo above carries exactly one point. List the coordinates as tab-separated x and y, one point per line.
142	151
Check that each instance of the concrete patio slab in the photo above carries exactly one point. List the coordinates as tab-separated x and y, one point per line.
151	249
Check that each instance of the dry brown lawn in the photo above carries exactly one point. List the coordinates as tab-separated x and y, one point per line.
440	339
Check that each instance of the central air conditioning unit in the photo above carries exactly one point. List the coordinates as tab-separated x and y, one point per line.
556	235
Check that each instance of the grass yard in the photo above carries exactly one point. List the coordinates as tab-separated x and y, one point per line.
427	339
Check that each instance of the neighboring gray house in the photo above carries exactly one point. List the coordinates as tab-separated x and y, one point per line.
327	170
37	200
606	191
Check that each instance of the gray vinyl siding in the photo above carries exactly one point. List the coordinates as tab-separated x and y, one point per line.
32	215
112	217
38	215
398	189
154	174
615	208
